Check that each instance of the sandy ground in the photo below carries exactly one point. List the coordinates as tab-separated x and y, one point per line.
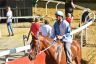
15	41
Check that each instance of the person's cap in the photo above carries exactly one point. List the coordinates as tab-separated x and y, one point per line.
59	13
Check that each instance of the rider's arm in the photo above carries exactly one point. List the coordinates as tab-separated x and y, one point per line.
29	33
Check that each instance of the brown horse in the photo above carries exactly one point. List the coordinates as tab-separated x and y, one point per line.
55	54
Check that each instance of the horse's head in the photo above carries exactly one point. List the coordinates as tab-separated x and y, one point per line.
36	45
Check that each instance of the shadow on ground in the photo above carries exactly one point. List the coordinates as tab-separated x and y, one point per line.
84	61
90	45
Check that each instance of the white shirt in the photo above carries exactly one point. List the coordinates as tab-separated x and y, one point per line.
45	30
9	16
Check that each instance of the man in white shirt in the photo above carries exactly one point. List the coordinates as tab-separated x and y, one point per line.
45	29
9	21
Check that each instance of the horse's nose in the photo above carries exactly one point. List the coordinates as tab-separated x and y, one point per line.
31	56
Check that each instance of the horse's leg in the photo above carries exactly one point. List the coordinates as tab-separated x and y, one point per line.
78	57
77	60
32	55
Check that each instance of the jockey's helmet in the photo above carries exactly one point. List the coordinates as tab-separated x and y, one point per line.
59	13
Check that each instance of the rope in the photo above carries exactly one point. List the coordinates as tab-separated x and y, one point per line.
48	47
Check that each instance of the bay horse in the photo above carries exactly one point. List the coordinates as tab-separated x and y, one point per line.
56	53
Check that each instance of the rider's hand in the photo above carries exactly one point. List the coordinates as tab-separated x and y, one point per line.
59	37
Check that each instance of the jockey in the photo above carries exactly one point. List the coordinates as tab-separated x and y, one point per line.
61	30
34	28
45	29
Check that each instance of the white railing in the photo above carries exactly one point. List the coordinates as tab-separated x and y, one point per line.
82	27
14	50
77	6
58	4
22	17
36	7
47	5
